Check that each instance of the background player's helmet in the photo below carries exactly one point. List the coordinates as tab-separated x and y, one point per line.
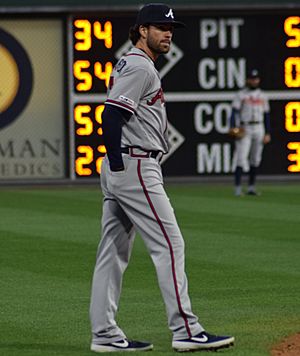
253	73
157	14
253	79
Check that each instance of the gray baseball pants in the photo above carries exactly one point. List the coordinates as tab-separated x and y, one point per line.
250	146
135	201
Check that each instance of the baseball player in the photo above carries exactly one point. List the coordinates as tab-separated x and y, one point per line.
251	111
135	135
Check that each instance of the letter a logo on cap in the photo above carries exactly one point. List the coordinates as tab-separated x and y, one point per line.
170	14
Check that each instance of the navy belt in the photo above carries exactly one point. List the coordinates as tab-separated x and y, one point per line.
145	153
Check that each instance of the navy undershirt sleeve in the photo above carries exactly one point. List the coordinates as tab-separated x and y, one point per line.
113	119
267	122
232	118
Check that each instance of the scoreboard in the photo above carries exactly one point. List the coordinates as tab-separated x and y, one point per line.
206	66
204	69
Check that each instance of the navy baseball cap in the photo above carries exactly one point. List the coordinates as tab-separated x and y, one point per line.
253	73
157	14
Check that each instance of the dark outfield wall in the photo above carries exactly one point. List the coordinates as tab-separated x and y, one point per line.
129	3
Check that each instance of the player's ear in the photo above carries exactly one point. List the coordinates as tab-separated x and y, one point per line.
143	31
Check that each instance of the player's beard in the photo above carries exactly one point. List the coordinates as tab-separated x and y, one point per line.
253	86
157	47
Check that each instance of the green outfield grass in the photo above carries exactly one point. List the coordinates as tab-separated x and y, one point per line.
242	261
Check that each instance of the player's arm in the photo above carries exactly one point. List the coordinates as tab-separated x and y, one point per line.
236	106
267	121
235	130
232	119
113	119
267	124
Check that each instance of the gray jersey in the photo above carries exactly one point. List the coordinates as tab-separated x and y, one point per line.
135	85
251	104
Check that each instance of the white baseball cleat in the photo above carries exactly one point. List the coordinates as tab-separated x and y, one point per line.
203	341
122	346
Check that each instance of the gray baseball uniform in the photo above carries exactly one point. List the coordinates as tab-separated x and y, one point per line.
251	105
135	201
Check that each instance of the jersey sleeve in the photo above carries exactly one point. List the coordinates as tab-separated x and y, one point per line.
266	104
128	88
237	102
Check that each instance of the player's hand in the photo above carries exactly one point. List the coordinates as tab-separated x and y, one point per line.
117	169
116	163
267	138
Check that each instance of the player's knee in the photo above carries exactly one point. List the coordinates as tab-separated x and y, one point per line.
255	163
178	243
241	163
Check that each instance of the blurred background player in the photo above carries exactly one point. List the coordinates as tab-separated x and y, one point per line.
251	111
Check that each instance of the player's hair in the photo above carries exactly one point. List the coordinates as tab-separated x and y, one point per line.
134	34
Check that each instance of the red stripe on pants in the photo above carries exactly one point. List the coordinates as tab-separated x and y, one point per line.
169	244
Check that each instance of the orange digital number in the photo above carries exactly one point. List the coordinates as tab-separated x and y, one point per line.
102	150
86	79
292	72
84	36
86	159
103	75
105	34
292	31
98	117
85	121
294	157
82	75
292	117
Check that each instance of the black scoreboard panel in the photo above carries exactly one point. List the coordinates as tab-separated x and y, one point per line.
205	67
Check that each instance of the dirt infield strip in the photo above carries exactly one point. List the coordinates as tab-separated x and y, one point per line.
288	347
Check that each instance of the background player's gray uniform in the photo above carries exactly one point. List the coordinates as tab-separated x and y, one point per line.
251	106
135	201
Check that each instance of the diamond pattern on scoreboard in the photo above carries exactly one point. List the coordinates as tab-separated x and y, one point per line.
123	49
172	57
175	140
